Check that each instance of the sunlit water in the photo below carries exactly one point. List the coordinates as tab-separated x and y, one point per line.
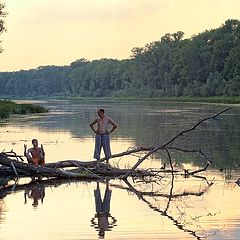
171	208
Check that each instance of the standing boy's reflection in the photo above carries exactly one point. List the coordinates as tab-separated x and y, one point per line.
37	192
103	221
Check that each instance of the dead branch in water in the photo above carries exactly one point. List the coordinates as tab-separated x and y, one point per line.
166	145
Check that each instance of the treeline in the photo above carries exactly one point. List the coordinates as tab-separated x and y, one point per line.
207	64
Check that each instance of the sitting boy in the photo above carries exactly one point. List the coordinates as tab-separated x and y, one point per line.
35	155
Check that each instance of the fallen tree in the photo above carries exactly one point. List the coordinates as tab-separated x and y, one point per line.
13	165
15	169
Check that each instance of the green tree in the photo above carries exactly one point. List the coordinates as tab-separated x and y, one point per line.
3	14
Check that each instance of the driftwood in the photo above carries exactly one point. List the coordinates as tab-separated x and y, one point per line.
13	165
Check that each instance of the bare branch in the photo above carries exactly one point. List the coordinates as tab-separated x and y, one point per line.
163	146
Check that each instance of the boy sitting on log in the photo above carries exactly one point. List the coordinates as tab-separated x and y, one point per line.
35	155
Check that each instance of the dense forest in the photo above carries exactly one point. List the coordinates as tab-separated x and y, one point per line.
207	64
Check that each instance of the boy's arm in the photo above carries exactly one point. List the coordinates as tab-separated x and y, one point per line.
42	152
114	125
25	150
28	155
92	124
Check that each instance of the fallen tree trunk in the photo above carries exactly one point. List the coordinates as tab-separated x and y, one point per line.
8	171
40	170
80	170
73	163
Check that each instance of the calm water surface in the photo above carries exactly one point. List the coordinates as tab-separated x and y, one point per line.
203	207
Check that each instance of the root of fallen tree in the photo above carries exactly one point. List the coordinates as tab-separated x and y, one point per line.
13	165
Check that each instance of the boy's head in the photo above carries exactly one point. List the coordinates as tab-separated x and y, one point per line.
35	142
100	112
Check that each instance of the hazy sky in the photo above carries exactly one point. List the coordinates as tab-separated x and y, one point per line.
57	32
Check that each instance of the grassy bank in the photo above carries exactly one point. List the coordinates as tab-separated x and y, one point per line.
222	99
8	107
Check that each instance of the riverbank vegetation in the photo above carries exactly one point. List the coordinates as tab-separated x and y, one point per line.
8	107
204	67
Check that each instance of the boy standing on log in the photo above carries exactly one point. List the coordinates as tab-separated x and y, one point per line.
102	135
35	155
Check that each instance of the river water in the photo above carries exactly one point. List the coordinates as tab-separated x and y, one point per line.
171	207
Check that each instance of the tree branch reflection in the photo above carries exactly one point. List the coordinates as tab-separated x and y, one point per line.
181	225
165	197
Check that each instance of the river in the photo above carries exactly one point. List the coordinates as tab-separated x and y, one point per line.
201	207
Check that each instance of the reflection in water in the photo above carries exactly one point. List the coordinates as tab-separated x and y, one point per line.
174	198
103	221
36	192
187	211
160	201
2	210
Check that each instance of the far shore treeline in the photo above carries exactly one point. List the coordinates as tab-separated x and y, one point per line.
205	65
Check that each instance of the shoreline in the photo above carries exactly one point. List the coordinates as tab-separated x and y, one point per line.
217	100
220	100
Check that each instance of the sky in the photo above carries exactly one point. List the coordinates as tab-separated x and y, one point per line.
58	32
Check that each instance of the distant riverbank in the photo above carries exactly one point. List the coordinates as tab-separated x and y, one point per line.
8	107
217	99
222	100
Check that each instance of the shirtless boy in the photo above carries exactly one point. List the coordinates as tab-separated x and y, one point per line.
102	139
35	155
